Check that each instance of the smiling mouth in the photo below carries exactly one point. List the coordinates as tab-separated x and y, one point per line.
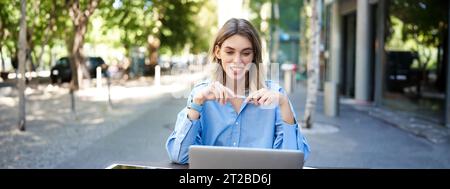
236	69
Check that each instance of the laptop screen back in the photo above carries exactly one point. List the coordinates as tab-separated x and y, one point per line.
219	157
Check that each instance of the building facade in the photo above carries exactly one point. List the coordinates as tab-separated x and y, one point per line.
393	53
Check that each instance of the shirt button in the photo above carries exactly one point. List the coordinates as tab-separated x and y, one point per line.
234	143
237	123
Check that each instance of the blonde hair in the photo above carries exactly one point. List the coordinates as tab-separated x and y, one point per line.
255	78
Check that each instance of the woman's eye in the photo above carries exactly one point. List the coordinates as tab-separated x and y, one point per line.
246	53
229	52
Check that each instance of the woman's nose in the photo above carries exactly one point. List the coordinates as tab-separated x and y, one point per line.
237	58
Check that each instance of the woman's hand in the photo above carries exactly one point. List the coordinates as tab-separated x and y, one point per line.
271	99
266	97
214	91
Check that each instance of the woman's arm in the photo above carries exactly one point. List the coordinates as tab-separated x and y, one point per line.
286	113
186	133
288	135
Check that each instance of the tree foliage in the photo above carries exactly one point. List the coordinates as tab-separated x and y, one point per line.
45	25
174	23
9	24
425	20
426	23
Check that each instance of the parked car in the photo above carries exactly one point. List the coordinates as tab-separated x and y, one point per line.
165	63
399	73
61	71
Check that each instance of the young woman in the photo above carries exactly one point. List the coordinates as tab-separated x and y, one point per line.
236	106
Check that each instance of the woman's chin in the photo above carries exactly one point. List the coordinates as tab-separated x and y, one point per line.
236	76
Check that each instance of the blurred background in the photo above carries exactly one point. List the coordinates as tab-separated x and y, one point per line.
104	79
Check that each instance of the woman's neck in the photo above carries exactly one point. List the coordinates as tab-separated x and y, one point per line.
237	86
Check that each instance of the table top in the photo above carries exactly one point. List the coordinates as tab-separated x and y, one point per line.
151	165
156	165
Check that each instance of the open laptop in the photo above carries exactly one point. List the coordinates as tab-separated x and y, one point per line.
220	157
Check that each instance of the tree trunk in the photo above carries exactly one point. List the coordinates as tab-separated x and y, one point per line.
22	59
76	56
153	46
75	60
313	63
80	20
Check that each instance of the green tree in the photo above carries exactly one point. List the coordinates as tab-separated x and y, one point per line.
272	16
9	27
79	13
155	24
259	16
425	23
205	27
315	23
45	25
22	57
290	17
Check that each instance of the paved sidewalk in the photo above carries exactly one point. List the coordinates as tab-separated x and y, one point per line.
53	135
357	139
420	127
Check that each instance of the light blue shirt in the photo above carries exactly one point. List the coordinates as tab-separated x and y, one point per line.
220	125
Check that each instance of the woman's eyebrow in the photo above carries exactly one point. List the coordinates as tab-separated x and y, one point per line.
231	48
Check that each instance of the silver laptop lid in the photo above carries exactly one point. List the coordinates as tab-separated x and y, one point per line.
220	157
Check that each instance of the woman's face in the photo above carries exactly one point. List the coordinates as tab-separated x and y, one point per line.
237	55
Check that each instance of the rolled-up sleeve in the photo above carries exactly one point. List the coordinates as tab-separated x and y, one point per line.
186	133
289	136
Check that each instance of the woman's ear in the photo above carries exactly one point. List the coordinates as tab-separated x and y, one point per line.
216	51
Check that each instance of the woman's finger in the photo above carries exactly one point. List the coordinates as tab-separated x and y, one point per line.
257	96
263	98
268	102
251	97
